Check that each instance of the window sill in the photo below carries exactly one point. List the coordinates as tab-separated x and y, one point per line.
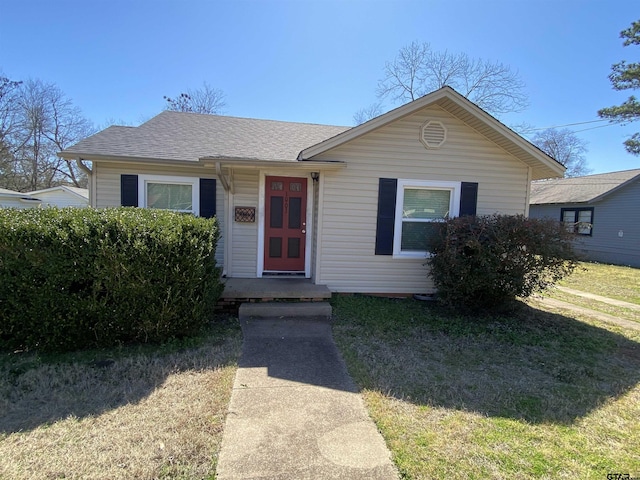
411	255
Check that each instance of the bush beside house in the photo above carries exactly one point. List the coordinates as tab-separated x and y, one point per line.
73	279
486	261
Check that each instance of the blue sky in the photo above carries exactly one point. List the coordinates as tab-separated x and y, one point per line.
318	61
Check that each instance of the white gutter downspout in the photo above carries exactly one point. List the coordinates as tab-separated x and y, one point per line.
528	197
227	219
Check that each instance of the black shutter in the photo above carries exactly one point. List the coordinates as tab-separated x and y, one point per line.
386	215
129	190
468	198
207	197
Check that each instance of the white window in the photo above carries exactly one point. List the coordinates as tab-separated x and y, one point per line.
420	205
180	194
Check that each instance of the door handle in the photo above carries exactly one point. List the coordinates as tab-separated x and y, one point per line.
304	231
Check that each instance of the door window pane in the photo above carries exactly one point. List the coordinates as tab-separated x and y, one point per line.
295	187
295	210
276	212
293	248
170	196
277	186
275	247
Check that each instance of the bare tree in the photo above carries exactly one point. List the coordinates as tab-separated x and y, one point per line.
203	100
8	90
366	114
566	147
418	70
43	121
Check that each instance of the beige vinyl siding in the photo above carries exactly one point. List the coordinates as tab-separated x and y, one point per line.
346	244
244	241
108	187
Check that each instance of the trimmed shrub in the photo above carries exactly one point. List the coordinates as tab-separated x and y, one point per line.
79	278
486	261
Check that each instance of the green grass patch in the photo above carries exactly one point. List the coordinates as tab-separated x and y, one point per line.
614	281
524	393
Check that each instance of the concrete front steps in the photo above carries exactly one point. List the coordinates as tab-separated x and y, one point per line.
285	310
275	298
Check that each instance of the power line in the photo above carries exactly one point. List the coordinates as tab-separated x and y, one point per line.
572	124
593	128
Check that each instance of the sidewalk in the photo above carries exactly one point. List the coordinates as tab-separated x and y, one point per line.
592	296
605	317
295	413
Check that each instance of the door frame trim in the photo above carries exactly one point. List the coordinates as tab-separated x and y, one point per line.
261	217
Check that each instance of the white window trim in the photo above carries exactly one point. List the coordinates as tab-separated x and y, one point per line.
167	179
454	210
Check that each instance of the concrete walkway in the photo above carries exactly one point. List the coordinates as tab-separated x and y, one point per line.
599	298
295	413
604	317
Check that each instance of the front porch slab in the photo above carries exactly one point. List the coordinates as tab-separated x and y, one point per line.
242	290
274	288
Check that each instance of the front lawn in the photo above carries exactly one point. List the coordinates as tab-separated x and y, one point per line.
139	412
529	394
614	281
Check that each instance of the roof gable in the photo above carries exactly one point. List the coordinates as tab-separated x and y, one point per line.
543	166
587	189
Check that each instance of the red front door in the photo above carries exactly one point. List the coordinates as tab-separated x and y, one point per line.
285	224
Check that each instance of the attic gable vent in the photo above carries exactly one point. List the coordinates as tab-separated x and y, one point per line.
433	134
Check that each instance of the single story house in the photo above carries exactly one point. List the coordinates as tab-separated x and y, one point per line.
62	196
602	209
348	207
13	199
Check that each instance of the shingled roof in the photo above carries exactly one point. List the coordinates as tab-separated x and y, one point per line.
587	189
189	136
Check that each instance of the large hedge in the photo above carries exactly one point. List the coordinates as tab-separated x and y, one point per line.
77	278
480	262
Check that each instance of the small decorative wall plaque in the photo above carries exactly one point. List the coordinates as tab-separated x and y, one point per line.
246	214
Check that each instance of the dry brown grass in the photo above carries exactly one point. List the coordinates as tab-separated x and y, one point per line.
144	416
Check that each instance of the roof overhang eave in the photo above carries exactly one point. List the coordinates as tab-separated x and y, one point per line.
306	166
92	157
20	197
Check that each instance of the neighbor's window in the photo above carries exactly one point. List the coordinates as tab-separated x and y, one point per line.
578	220
420	205
179	194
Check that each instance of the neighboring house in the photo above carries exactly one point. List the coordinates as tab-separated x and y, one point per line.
347	207
63	196
603	209
11	199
